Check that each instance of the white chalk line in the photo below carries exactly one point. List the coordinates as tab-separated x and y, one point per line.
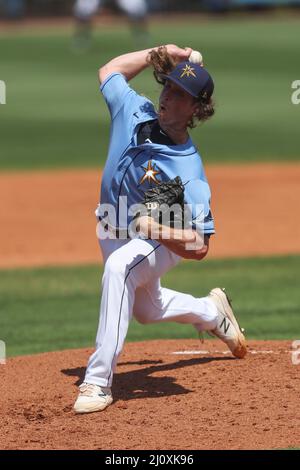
202	352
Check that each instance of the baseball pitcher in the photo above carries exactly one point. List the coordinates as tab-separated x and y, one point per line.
152	162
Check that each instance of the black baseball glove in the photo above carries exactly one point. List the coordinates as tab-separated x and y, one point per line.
161	198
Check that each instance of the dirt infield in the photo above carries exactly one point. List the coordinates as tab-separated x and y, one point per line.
199	398
47	218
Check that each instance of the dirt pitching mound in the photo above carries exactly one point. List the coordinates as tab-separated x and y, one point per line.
175	394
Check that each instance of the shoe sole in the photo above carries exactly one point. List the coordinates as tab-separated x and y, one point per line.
92	408
241	350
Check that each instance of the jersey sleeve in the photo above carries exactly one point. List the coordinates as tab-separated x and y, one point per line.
117	93
197	195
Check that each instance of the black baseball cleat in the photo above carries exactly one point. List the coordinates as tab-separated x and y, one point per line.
228	329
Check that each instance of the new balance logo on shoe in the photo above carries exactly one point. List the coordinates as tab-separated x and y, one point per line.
224	325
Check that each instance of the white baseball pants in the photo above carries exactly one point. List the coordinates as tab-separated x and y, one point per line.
85	9
131	286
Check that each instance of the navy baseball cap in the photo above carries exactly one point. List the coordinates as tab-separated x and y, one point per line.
192	78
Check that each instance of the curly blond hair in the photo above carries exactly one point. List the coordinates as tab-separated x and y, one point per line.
163	63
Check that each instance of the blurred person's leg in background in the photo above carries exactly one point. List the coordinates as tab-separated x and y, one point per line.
84	11
137	13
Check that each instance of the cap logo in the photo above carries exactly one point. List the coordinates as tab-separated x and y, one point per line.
188	71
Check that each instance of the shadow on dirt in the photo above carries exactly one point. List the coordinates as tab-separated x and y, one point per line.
141	383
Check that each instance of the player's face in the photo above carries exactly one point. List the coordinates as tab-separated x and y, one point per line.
176	106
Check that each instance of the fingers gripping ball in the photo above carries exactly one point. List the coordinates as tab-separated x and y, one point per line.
196	57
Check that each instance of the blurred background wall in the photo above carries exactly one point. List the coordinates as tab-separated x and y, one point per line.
19	8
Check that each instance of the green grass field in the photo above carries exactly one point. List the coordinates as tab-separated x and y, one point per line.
56	308
55	117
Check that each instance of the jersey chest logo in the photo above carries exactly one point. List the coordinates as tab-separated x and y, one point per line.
150	173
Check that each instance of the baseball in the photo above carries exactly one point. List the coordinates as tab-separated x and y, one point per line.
196	57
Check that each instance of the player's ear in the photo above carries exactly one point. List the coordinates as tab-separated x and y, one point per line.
196	109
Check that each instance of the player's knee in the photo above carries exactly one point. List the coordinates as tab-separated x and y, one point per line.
115	266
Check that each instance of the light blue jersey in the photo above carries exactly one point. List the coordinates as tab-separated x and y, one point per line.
132	169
